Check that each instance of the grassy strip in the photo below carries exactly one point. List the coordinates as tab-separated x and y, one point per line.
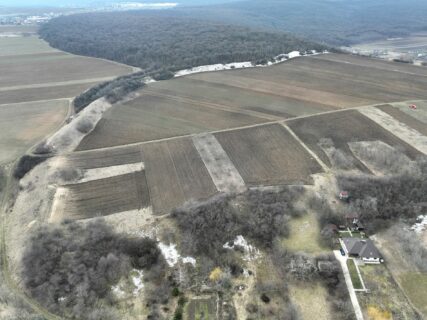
355	279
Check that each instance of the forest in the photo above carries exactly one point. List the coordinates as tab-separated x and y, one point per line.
162	41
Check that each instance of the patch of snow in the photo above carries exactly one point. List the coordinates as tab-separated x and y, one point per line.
107	172
294	54
190	260
170	253
421	225
117	291
138	281
251	252
247	64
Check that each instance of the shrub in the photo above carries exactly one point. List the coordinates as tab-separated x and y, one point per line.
25	164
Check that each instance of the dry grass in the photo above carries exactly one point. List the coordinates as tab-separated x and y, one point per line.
304	235
311	301
385	294
415	286
268	155
400	116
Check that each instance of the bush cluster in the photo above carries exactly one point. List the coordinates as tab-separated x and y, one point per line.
70	268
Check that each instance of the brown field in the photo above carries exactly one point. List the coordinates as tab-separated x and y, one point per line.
44	93
105	157
344	127
54	67
268	155
400	116
175	174
228	99
24	124
107	196
151	117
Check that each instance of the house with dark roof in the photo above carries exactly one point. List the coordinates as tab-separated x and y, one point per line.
363	249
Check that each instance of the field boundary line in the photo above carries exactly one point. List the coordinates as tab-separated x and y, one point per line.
37	101
321	163
214	106
56	84
189	135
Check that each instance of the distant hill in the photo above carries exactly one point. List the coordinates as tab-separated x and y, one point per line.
337	22
162	41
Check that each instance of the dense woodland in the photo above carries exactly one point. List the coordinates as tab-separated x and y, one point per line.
338	22
156	41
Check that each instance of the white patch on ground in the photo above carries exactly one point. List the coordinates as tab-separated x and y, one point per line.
251	253
138	281
172	256
170	253
118	291
108	172
401	130
68	137
58	205
222	171
247	64
421	224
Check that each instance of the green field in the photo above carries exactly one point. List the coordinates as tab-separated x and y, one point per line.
355	279
201	309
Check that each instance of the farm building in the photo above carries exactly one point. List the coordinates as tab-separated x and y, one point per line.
363	249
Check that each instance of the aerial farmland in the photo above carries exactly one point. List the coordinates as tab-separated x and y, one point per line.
37	86
216	153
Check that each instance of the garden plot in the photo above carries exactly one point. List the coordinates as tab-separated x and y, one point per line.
268	155
175	174
101	197
342	128
420	113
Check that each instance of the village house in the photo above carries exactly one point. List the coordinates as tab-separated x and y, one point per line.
363	249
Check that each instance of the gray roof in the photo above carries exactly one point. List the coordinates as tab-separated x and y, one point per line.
363	248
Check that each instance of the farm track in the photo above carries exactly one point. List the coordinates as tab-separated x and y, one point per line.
212	105
280	121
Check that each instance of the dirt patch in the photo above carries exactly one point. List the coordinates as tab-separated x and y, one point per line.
108	172
399	129
222	171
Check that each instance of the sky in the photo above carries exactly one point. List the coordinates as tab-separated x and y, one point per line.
79	3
